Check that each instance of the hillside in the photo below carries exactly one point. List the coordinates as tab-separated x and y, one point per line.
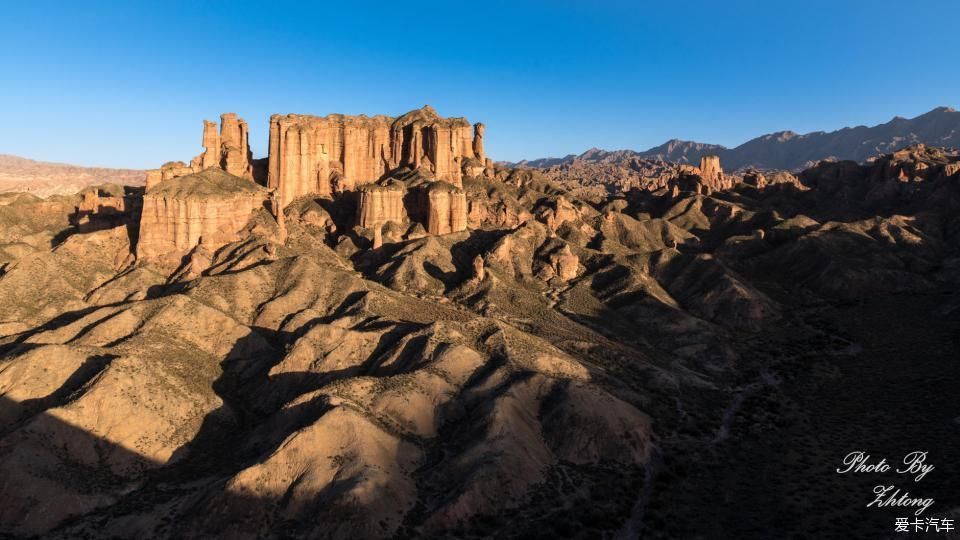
44	179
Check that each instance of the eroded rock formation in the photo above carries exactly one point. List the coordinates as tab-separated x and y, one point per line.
231	150
446	209
711	174
228	150
209	208
328	154
379	204
565	263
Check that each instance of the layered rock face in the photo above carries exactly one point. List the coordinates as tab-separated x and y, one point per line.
228	150
169	171
209	208
379	204
446	209
323	155
93	203
711	173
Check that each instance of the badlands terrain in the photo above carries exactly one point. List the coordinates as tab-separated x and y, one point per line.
43	179
378	332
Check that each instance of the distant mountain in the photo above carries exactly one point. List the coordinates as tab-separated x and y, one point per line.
44	179
789	150
681	151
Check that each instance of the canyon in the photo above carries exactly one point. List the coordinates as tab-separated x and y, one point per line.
376	331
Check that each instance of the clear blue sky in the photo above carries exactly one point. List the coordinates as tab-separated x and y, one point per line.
127	83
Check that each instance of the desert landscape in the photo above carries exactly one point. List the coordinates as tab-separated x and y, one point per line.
379	332
525	270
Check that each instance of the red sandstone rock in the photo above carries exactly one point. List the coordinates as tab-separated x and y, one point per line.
711	173
209	208
755	179
229	150
478	130
561	212
323	155
951	169
379	204
446	209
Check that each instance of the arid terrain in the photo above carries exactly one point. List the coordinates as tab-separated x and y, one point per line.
376	331
43	179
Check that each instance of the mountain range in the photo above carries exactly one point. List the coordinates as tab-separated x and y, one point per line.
792	151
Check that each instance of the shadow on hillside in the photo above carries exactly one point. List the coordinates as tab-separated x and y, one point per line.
106	217
37	449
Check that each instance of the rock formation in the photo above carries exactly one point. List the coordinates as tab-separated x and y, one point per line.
228	150
559	213
323	155
379	204
169	171
755	178
446	209
479	270
210	208
565	263
478	130
407	393
711	173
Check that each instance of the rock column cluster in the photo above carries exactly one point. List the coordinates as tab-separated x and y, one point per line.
446	209
228	150
324	155
379	204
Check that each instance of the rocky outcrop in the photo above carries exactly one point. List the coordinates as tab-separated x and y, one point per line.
235	156
560	212
565	264
228	150
168	171
92	202
379	204
209	208
478	130
446	209
754	178
329	154
711	174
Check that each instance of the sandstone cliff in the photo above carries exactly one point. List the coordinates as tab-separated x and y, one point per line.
446	209
209	208
323	155
379	204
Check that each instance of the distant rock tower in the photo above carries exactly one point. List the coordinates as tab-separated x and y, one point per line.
711	173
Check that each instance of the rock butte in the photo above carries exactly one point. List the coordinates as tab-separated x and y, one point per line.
326	157
210	208
327	154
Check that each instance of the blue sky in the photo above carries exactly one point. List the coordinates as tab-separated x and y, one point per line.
127	84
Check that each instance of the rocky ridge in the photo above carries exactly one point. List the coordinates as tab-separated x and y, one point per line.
419	357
